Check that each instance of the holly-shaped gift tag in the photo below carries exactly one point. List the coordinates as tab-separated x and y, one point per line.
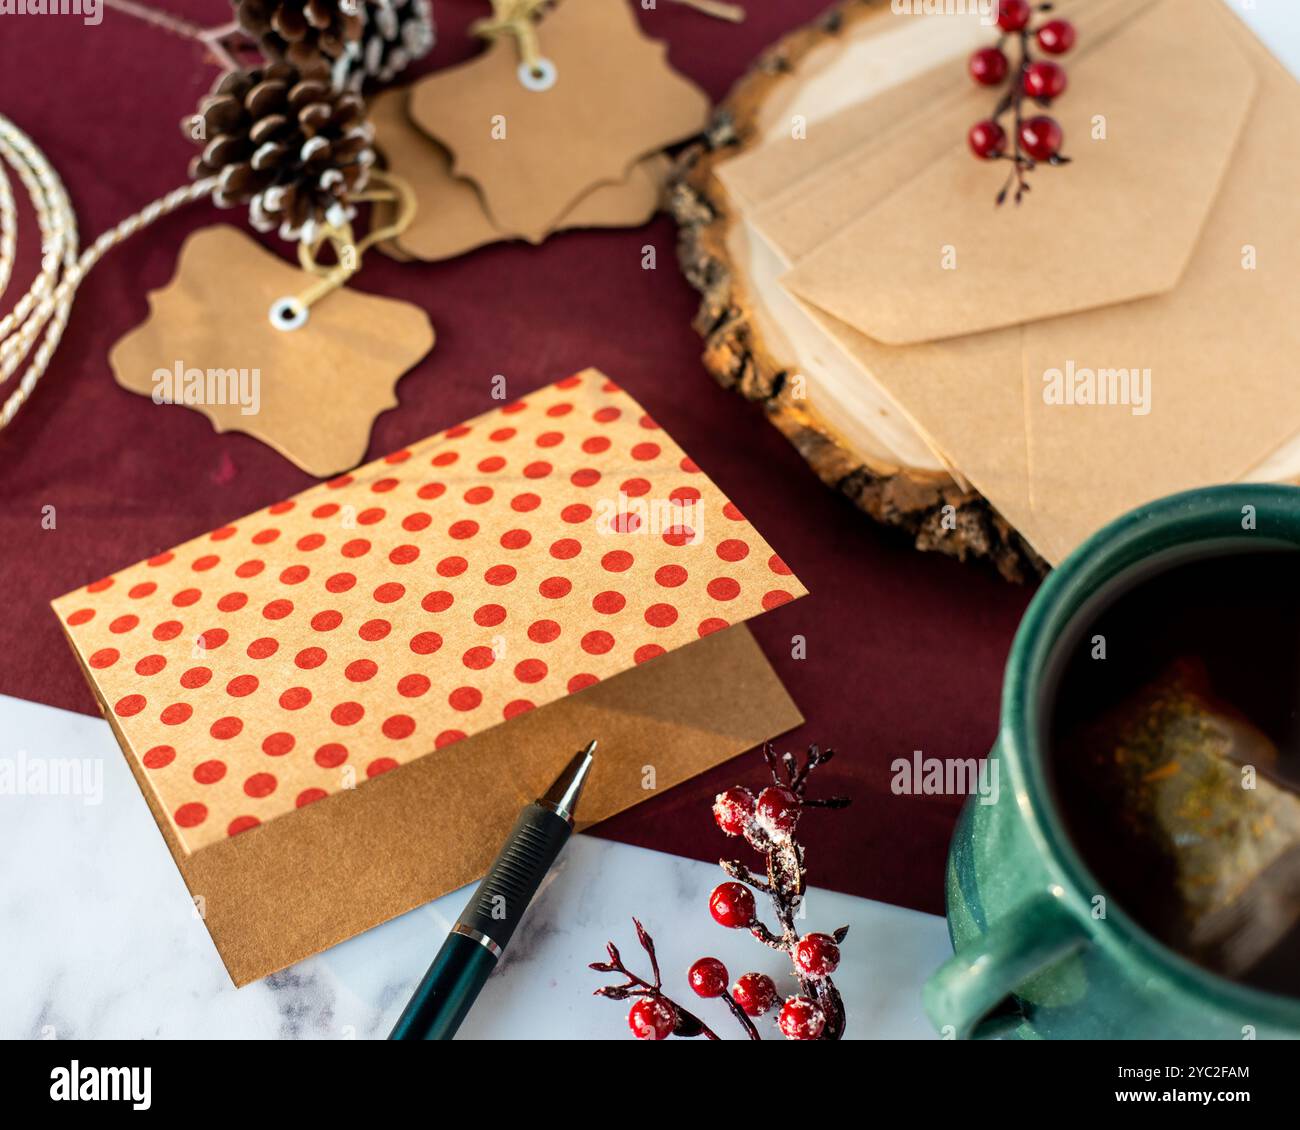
537	135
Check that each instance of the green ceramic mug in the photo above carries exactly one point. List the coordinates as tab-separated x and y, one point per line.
1018	894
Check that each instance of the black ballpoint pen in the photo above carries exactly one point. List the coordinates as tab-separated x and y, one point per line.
453	982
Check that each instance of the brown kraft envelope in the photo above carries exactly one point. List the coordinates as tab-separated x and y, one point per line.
928	382
895	73
355	860
1119	223
904	129
336	705
976	394
1221	347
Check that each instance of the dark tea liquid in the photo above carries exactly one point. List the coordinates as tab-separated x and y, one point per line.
1228	627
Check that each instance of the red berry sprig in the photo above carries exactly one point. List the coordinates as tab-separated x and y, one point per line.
1037	139
653	1015
770	829
767	822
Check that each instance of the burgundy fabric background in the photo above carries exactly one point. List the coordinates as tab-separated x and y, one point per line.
904	650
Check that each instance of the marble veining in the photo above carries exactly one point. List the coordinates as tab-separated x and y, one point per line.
99	939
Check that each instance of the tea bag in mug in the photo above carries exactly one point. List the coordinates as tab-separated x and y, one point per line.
1194	790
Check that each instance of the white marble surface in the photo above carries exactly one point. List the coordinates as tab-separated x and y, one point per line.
1277	23
98	937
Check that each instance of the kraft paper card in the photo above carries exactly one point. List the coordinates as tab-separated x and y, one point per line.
311	393
454	617
478	575
358	858
450	218
533	153
1058	471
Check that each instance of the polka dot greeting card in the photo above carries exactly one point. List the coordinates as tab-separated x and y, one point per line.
329	641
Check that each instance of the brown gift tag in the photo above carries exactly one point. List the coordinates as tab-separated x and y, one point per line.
535	153
311	393
450	218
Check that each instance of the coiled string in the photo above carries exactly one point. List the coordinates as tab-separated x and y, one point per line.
31	331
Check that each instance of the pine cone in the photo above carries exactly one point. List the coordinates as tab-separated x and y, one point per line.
301	30
288	144
394	35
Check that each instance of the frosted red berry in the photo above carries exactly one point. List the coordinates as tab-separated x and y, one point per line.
1056	37
1013	15
708	977
816	955
652	1018
1041	137
801	1019
778	811
754	992
733	809
988	66
1045	80
987	139
732	905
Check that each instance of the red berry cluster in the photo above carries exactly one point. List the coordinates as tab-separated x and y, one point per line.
1037	138
767	822
762	820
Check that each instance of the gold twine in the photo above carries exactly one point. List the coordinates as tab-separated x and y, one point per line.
32	329
516	18
733	13
348	251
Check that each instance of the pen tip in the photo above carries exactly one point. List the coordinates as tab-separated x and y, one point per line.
562	796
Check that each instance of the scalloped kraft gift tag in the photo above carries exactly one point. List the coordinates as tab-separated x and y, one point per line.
533	153
450	218
311	393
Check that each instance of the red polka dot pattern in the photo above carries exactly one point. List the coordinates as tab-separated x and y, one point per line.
486	572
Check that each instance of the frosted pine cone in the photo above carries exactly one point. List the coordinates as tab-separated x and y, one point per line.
301	30
394	35
285	142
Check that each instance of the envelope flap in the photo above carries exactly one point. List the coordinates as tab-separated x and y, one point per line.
1150	120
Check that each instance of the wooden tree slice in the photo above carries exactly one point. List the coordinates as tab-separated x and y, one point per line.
938	512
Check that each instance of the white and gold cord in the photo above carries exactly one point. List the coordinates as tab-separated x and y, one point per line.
42	313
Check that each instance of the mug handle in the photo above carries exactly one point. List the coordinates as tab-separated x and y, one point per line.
981	975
